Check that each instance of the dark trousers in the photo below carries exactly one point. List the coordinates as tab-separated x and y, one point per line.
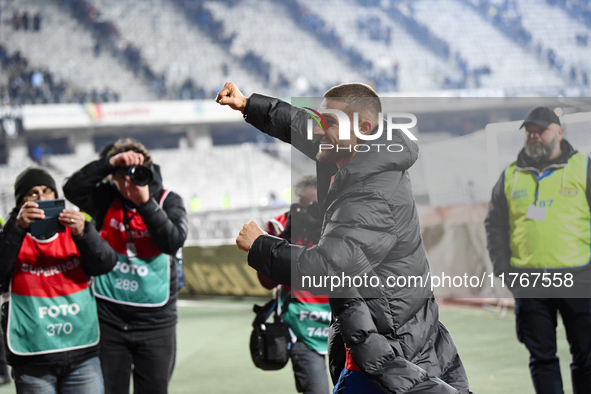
536	320
309	370
149	354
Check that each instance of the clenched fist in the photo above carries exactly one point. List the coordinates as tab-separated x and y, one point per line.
248	234
230	95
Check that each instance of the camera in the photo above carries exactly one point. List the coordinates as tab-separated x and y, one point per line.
140	175
303	223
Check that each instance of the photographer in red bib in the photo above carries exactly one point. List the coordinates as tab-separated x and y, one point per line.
50	321
146	225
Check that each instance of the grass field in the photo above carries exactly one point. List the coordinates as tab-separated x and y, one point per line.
213	354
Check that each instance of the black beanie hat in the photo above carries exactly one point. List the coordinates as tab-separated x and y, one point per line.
30	178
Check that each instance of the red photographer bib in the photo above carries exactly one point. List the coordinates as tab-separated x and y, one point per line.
51	307
142	274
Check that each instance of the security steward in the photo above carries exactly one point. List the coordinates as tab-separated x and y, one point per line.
538	227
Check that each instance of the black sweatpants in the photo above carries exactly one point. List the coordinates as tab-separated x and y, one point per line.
148	354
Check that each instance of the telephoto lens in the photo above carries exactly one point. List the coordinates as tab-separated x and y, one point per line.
140	175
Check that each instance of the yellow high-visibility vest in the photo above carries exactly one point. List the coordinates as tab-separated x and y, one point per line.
563	238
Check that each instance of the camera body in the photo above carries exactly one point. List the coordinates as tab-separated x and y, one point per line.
140	175
303	223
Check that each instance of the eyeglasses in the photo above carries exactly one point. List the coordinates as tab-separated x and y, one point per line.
35	194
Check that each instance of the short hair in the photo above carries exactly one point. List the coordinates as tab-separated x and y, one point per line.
303	183
127	144
358	97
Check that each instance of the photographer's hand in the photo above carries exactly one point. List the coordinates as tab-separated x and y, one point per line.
127	159
136	194
249	233
73	219
230	95
28	213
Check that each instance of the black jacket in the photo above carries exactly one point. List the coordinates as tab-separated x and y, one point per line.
370	226
96	258
167	226
497	219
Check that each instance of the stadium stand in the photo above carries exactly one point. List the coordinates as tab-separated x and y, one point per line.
194	65
559	47
66	50
505	16
107	38
578	9
145	48
21	84
292	52
417	67
473	40
308	18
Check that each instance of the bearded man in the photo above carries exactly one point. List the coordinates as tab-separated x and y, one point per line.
381	340
538	224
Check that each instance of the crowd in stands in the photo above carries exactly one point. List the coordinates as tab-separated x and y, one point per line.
23	21
582	39
29	85
403	12
253	62
506	17
579	9
107	36
203	18
308	20
372	25
190	91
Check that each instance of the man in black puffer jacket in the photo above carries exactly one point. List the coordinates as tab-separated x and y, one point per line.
382	339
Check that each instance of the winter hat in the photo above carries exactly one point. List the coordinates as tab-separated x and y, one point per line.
30	178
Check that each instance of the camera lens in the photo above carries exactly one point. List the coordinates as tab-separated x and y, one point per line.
140	175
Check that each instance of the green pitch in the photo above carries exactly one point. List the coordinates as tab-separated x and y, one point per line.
213	356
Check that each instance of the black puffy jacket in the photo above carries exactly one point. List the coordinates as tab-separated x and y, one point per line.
370	226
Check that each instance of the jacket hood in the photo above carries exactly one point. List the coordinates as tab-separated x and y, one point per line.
156	184
404	153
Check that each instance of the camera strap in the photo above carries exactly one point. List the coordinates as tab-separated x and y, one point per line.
130	245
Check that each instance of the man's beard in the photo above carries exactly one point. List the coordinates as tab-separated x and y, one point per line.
332	156
541	152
